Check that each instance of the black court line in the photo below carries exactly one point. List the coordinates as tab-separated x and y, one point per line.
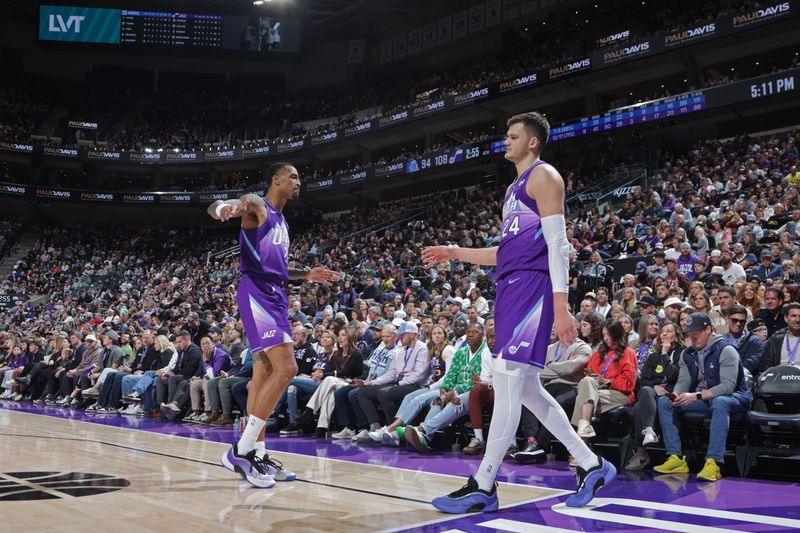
115	445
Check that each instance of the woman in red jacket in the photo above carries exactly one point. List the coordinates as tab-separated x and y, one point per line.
610	379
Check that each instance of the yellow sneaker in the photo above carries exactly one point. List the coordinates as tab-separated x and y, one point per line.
710	471
673	465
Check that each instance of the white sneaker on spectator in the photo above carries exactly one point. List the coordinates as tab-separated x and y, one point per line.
346	433
585	430
202	418
139	411
377	435
362	436
90	393
390	438
638	462
650	436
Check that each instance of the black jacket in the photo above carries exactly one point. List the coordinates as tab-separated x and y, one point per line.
772	352
353	368
189	361
669	369
773	324
150	361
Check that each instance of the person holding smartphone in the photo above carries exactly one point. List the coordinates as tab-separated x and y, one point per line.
658	377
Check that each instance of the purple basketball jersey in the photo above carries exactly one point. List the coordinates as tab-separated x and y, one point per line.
265	249
261	297
522	245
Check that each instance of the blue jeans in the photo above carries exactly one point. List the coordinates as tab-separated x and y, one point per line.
414	403
110	390
438	418
721	408
303	386
239	392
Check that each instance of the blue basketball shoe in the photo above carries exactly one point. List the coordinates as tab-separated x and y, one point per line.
590	481
468	499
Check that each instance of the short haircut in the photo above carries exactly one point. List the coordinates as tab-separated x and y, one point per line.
728	290
788	307
778	292
737	309
275	168
534	123
185	334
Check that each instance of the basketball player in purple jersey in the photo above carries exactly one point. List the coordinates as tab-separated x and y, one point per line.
263	308
532	288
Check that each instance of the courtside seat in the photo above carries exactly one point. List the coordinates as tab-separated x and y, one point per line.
695	433
614	428
774	435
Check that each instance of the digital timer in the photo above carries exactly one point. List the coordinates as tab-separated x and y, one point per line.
768	88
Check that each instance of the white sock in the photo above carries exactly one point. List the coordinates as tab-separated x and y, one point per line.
507	379
261	448
552	416
479	434
249	436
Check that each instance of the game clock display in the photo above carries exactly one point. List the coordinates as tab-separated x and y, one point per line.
770	87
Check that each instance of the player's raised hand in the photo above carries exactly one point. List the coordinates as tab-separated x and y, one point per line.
232	211
435	254
323	275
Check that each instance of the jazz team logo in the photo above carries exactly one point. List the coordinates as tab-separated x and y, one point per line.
19	486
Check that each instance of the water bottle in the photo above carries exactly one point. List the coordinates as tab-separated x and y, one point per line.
237	427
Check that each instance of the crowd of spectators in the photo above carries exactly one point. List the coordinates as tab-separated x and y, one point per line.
132	117
9	232
714	239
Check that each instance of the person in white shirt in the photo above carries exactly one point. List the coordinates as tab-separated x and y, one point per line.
409	370
732	272
603	307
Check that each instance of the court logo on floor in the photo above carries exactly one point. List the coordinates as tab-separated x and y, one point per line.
20	486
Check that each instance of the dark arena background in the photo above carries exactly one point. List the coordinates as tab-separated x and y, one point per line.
673	124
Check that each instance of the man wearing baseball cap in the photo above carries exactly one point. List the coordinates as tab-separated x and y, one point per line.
712	380
767	269
410	367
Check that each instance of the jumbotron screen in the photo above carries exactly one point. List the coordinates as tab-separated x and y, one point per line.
137	28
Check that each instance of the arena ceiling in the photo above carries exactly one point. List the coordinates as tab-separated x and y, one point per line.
329	19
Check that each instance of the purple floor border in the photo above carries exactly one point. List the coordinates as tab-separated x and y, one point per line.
763	503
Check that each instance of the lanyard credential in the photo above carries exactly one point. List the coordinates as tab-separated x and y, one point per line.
607	362
792	350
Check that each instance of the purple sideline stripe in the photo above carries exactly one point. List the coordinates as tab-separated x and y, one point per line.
756	497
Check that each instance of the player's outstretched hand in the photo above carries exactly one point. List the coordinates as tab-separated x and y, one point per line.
232	211
565	328
434	254
323	275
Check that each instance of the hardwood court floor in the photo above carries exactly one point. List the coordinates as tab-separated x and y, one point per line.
176	484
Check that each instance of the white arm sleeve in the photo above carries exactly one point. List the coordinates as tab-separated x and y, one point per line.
555	233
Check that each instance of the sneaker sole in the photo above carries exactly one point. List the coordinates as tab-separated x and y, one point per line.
449	506
680	470
289	476
238	470
414	439
611	474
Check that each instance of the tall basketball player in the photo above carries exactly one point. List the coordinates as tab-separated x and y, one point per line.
262	302
532	288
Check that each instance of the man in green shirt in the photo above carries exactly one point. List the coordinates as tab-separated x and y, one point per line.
471	363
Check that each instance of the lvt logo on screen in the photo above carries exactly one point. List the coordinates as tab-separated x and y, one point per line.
59	25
